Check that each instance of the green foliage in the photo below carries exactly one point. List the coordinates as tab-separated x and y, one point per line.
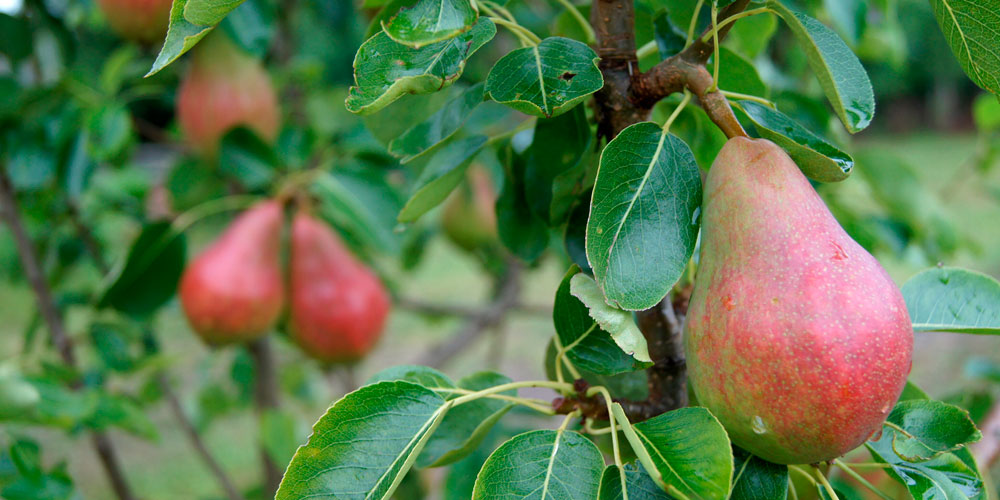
969	28
643	221
953	299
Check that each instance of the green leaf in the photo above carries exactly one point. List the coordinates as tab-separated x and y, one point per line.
628	385
556	465
362	204
31	167
986	112
182	35
430	21
149	276
208	12
465	427
247	158
385	70
110	131
252	26
758	479
638	484
841	75
118	411
421	375
444	171
818	159
944	477
588	347
933	427
555	163
954	300
278	434
18	397
737	74
618	323
425	135
545	80
524	233
643	217
752	34
687	449
849	16
670	38
970	27
365	443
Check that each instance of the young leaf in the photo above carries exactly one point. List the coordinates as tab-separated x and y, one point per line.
684	450
643	217
954	300
970	26
430	21
841	75
365	443
557	465
933	427
465	426
182	35
945	476
152	269
442	174
385	70
557	153
545	80
618	323
423	136
818	159
638	484
588	347
758	479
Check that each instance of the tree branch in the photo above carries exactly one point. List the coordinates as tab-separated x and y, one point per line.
53	319
266	398
508	296
614	26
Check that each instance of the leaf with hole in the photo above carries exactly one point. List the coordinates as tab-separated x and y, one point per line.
545	80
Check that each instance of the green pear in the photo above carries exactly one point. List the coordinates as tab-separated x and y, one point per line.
796	338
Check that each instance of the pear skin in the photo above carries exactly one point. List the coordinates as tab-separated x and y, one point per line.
796	338
338	306
234	290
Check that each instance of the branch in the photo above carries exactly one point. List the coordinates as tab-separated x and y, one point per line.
475	326
266	398
53	319
614	25
87	237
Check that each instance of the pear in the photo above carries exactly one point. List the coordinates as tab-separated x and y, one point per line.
469	218
338	306
796	338
224	88
142	21
234	290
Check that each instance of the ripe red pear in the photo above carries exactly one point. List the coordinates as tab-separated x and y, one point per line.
142	21
338	306
796	338
224	88
469	218
234	290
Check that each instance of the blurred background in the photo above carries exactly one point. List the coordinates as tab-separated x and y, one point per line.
94	151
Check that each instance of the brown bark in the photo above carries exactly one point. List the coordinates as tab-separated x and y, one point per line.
266	397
